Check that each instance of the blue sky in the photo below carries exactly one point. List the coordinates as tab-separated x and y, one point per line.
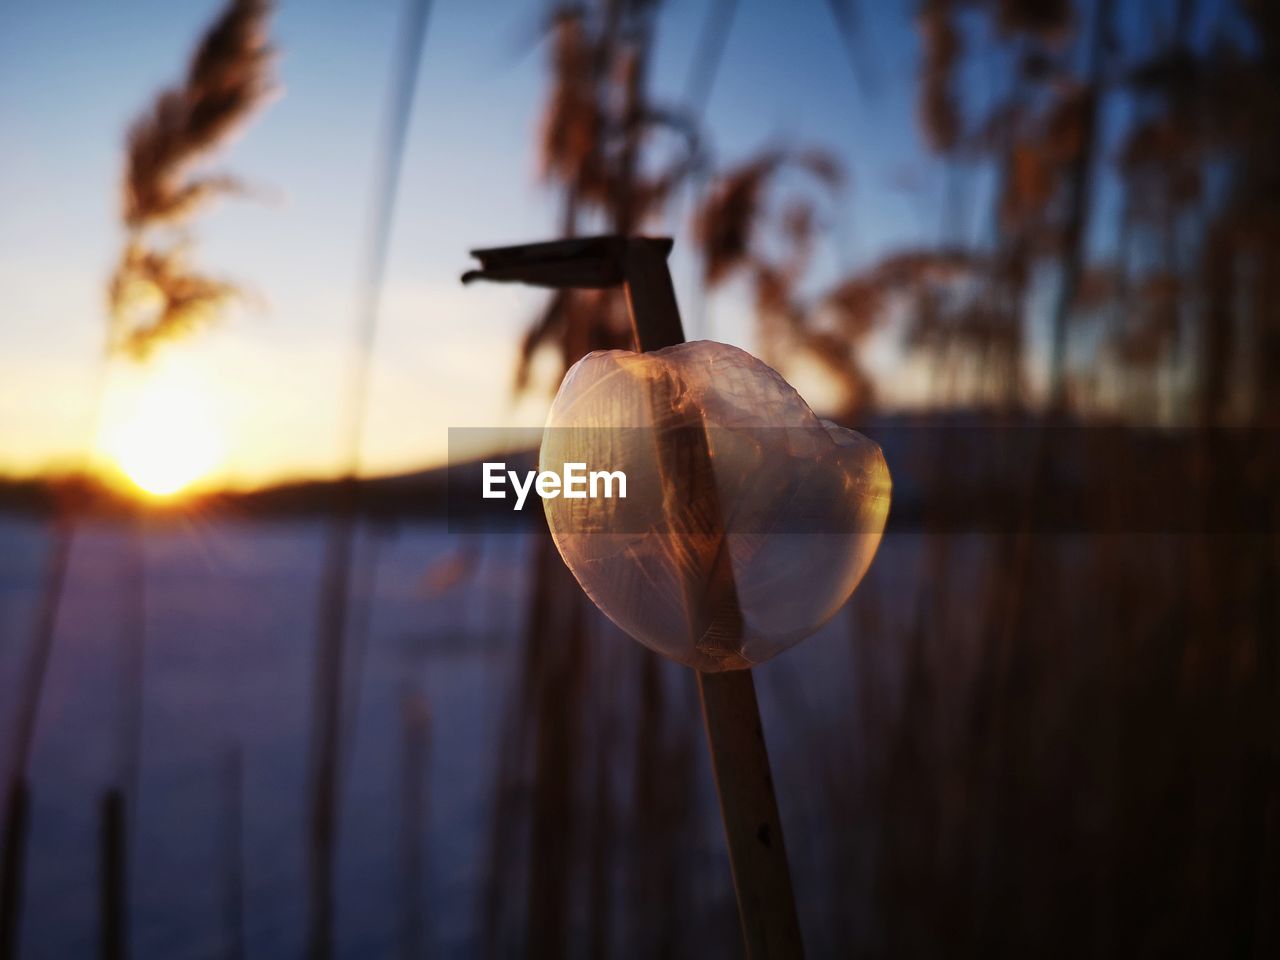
73	74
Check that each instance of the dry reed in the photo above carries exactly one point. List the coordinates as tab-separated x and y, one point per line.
154	295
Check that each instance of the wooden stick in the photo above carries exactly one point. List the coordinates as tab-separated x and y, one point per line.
15	849
415	748
112	883
233	852
730	711
17	797
761	878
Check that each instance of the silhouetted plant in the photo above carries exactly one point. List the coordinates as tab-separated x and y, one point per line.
154	294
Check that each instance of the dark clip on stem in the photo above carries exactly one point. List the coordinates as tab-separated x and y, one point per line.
587	262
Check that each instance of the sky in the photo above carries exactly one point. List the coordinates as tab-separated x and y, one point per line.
74	73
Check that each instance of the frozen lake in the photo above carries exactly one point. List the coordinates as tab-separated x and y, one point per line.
230	613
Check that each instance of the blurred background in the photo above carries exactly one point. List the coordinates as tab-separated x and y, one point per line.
258	697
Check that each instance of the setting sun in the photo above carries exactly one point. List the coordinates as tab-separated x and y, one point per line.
166	437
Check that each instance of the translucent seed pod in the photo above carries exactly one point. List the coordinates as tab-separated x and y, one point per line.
747	522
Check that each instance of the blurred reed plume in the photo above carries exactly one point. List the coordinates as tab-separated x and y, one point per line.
749	225
160	283
570	775
154	294
615	154
940	50
728	224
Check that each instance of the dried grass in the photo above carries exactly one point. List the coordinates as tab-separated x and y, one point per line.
153	295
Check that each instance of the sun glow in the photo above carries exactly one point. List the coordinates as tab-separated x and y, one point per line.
165	436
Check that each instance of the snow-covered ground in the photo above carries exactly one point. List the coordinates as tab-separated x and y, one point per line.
230	612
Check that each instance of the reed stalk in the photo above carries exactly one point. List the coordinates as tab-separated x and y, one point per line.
233	853
415	761
334	599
